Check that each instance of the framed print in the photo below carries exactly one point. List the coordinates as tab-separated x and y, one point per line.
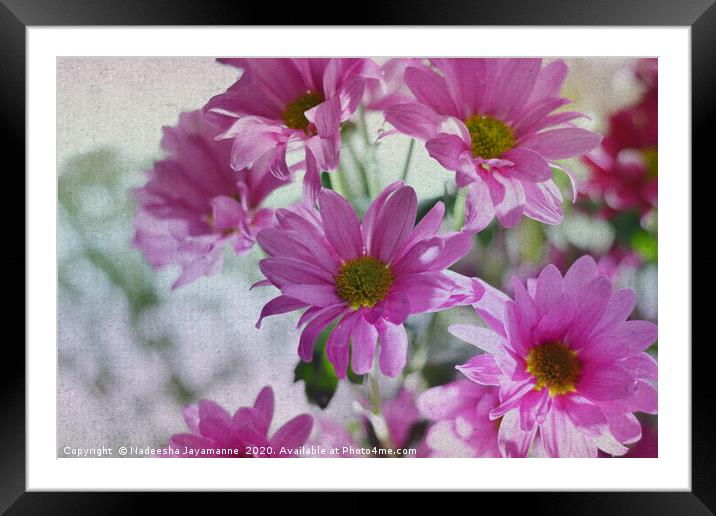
324	246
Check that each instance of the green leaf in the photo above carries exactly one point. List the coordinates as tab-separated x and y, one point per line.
358	379
326	180
646	245
626	224
425	206
319	378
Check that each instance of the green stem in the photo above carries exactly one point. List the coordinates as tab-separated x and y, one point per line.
361	169
375	401
406	167
364	125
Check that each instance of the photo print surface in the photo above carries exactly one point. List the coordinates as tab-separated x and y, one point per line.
357	257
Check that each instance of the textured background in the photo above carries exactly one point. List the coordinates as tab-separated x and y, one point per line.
131	353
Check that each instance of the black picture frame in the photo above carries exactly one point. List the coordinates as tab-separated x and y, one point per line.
17	15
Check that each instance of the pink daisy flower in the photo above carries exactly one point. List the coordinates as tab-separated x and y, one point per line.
194	205
571	369
648	445
624	169
491	122
280	105
462	426
391	88
213	428
368	276
402	419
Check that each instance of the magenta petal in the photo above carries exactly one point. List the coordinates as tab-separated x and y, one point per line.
327	117
562	143
428	225
482	369
431	89
293	434
419	257
512	440
639	335
519	333
543	202
426	291
483	338
282	271
396	307
533	410
554	324
534	117
580	274
414	120
522	74
620	305
528	165
351	95
193	442
279	167
560	438
257	138
549	288
337	345
491	308
279	305
296	244
311	180
582	412
479	210
314	328
248	435
228	213
605	382
642	366
550	80
363	338
393	348
315	295
455	246
645	399
211	409
591	302
340	224
625	427
528	309
264	405
511	207
190	413
511	396
375	209
446	149
215	422
394	224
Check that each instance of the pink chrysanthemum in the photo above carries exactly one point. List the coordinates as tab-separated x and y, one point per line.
194	204
401	431
391	88
213	428
280	105
624	169
462	426
491	121
569	366
368	276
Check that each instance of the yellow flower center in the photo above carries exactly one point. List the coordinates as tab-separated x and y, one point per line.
363	281
555	366
294	116
490	137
